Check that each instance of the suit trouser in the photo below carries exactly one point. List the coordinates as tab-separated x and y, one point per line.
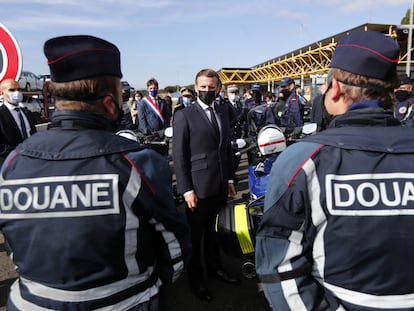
202	222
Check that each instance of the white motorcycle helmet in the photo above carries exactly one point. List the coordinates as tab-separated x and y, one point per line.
127	134
271	140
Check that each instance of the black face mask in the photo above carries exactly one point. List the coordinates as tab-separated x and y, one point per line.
402	95
207	97
326	116
257	97
120	114
286	93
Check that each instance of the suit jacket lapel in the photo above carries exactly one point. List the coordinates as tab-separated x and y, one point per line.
10	128
219	114
10	118
30	120
204	116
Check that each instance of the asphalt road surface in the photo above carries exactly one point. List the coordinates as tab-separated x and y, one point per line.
242	297
245	296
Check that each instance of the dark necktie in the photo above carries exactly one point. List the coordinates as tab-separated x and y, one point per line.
214	121
22	123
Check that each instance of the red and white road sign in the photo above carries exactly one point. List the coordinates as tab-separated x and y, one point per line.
10	55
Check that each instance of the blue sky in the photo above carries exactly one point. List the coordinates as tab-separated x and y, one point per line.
172	40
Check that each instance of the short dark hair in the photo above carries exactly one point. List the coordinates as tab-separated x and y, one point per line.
357	87
86	91
152	81
210	73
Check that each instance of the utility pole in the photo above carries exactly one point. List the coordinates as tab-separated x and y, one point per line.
410	39
410	27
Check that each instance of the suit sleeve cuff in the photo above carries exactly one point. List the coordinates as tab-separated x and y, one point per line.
188	192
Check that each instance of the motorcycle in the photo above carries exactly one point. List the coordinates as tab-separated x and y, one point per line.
158	141
236	224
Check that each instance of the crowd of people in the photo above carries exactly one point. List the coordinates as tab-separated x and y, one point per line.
338	212
247	113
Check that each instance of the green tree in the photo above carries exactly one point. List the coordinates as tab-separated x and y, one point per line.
406	19
171	89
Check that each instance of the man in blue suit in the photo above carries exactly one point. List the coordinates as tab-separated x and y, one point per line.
204	171
153	112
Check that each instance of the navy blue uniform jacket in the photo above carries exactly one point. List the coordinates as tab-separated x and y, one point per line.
337	229
90	219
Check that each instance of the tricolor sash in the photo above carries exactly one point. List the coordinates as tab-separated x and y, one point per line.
154	107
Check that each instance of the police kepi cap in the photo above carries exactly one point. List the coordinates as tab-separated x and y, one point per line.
81	57
255	87
404	79
232	88
367	53
187	92
286	81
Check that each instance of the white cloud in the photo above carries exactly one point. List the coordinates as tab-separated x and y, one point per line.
346	6
296	14
35	22
97	4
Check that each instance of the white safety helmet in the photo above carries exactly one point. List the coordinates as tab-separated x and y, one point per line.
271	140
127	134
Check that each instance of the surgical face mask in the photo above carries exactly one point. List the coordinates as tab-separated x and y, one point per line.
15	97
222	94
153	93
138	98
186	101
233	97
271	104
207	97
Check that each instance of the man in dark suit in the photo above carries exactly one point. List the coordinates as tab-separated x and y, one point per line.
153	112
204	171
16	122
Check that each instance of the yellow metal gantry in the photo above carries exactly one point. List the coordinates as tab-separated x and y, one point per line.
302	63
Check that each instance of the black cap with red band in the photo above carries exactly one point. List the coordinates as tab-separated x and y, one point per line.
81	57
367	53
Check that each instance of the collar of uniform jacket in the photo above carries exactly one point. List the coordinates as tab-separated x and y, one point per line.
79	119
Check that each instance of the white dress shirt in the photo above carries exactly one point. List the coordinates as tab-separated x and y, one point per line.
16	117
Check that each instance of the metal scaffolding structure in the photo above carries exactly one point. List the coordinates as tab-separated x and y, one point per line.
310	60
